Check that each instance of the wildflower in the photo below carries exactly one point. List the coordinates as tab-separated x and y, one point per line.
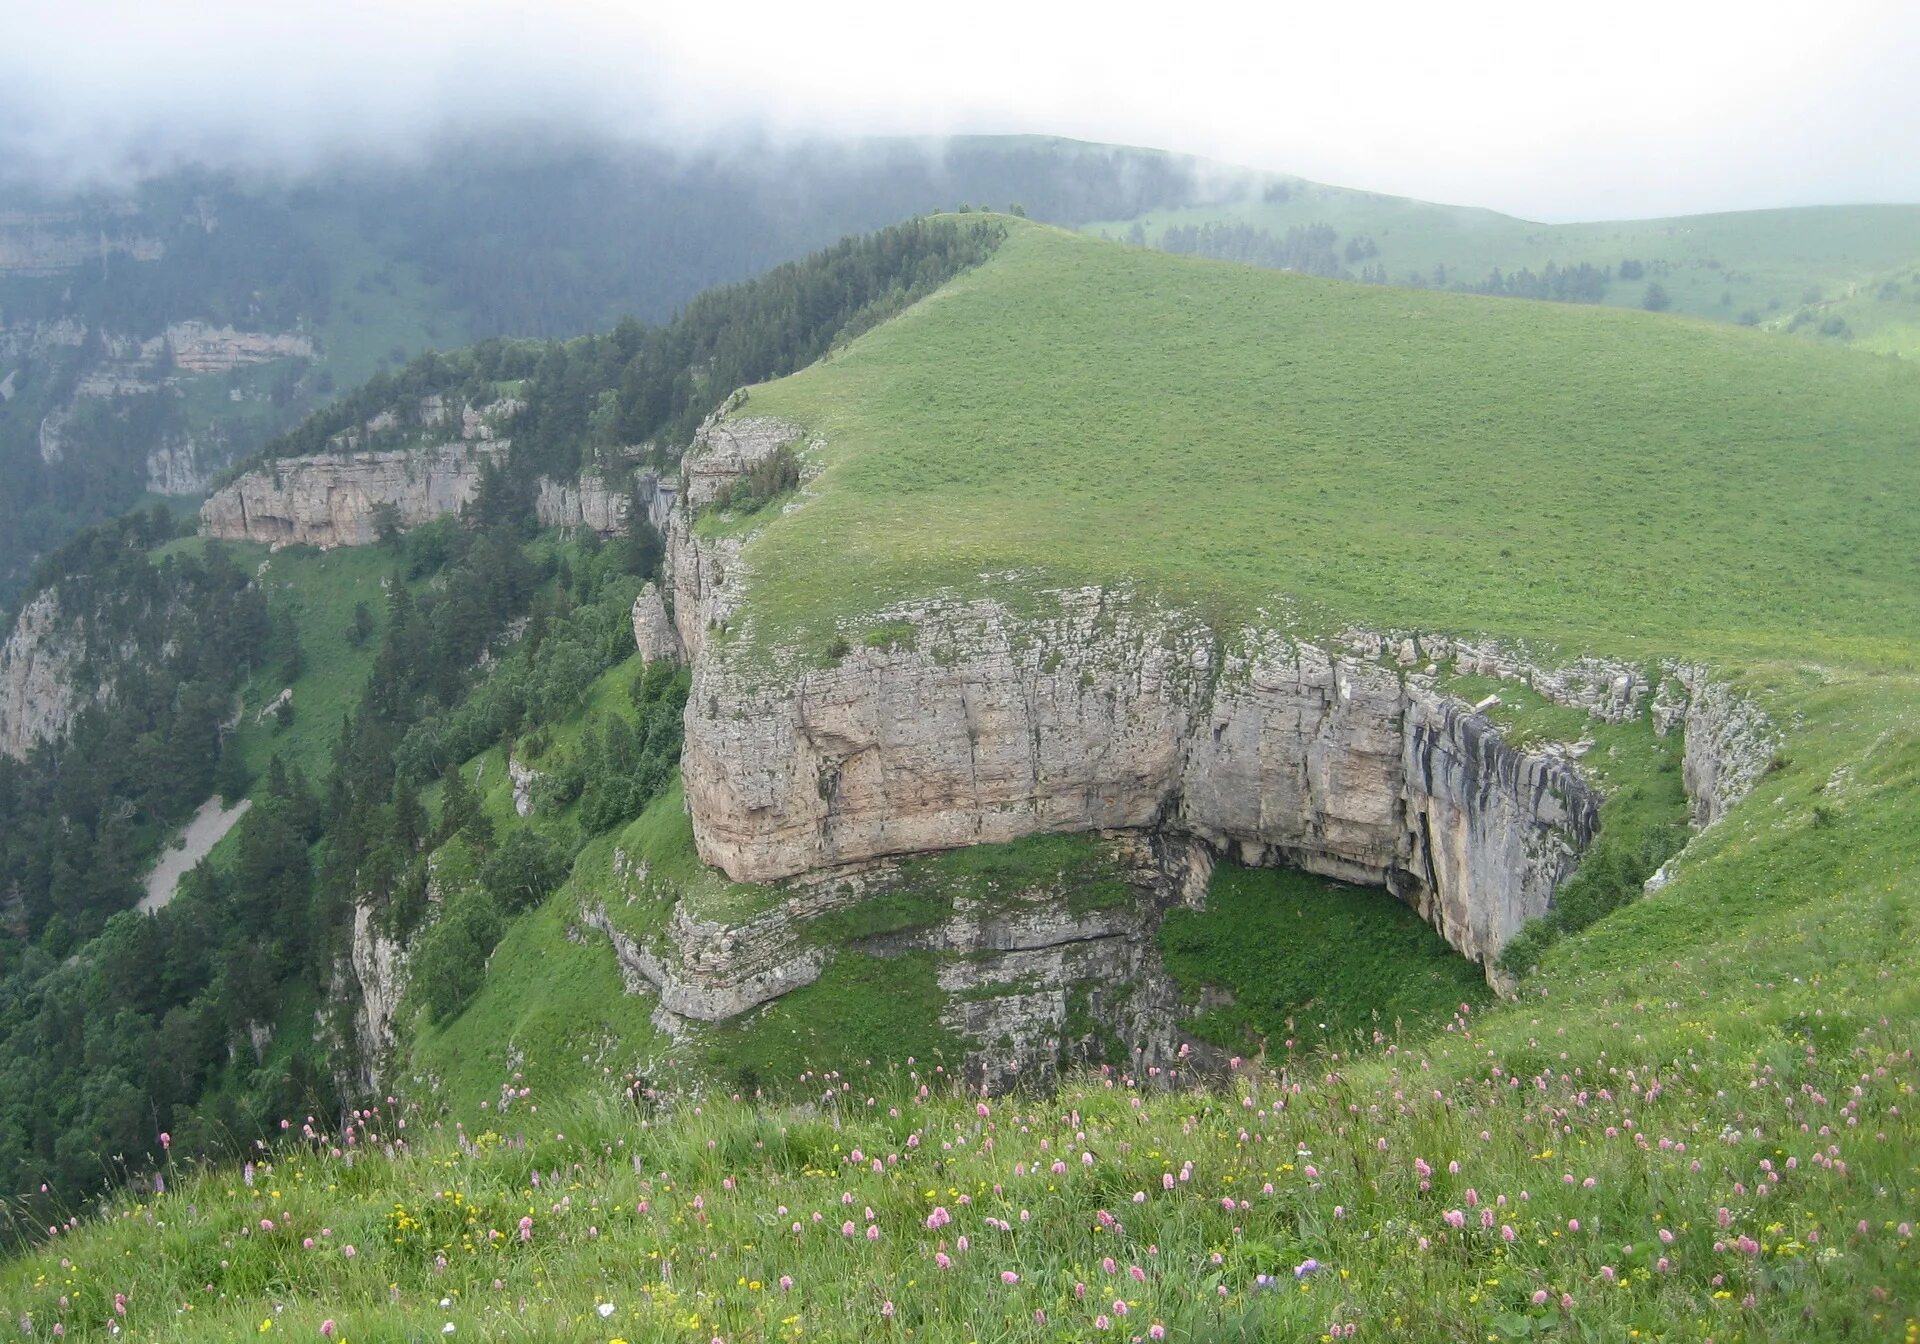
786	1283
327	1327
1101	1322
1156	1331
1306	1267
1008	1277
348	1251
605	1309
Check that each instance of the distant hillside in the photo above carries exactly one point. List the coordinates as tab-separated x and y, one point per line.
150	338
1781	269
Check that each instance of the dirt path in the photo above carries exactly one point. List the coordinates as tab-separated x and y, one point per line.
208	826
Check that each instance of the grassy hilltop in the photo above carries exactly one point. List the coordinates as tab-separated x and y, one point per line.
1697	1123
1617	482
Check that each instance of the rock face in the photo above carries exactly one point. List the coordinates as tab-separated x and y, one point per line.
330	499
47	242
1729	743
956	723
377	967
984	727
200	347
589	503
653	632
726	448
1032	984
524	778
38	697
174	466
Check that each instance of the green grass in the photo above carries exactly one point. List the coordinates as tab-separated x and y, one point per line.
1309	963
1232	440
320	588
378	304
553	1010
863	1011
1762	262
1775	984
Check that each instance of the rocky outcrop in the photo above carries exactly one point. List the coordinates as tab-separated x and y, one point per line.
525	779
201	347
175	467
38	694
1612	692
1729	743
653	632
48	242
363	999
969	725
727	448
1031	983
588	503
333	499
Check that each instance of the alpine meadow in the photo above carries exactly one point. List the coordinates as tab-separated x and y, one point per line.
809	736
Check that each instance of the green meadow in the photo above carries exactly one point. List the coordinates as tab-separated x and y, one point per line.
1245	441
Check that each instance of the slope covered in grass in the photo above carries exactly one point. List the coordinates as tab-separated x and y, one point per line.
1752	266
1076	411
1699	1123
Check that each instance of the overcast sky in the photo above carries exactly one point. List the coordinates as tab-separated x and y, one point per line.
1551	111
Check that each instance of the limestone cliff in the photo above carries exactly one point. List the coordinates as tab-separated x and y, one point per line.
944	723
596	503
588	503
363	999
38	692
48	242
331	499
1729	743
1106	713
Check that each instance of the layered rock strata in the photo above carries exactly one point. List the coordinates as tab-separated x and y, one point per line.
336	499
1031	984
1104	714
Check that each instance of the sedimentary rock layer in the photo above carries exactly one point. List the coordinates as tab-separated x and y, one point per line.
333	499
1103	714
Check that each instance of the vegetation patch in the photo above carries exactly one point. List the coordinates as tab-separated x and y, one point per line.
863	1010
1219	438
1309	963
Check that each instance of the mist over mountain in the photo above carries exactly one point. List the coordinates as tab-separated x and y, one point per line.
1653	109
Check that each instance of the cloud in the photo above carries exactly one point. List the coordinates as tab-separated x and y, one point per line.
1547	111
